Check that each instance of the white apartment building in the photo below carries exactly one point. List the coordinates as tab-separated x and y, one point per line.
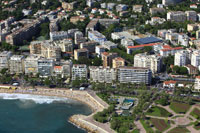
58	35
197	84
191	16
195	59
31	65
134	75
153	62
181	58
102	75
16	64
45	67
4	59
177	16
79	71
99	49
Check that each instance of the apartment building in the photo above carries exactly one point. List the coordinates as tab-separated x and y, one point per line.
81	53
156	10
107	58
79	71
197	84
191	15
99	50
90	46
96	36
31	65
4	59
177	16
69	6
58	35
167	50
153	62
18	36
181	58
102	75
45	67
109	45
183	39
118	62
134	75
16	64
170	2
137	8
195	59
51	51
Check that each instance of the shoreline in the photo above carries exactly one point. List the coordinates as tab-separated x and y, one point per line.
86	97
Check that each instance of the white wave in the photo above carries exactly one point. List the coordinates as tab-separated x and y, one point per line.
36	98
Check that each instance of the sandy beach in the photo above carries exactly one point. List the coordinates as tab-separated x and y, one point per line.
87	97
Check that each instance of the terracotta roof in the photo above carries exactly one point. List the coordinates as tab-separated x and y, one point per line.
170	82
198	77
105	53
169	49
139	46
119	59
57	67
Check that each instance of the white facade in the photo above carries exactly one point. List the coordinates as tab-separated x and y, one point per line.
153	62
177	16
102	75
195	59
99	49
4	59
197	84
58	35
16	64
181	58
79	71
134	75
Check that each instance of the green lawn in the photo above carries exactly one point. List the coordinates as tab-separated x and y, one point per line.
158	111
179	107
136	131
160	124
146	127
179	130
196	113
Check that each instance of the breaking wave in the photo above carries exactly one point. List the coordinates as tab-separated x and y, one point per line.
35	98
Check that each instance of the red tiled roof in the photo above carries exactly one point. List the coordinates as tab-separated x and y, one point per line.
170	82
139	46
198	77
57	67
168	49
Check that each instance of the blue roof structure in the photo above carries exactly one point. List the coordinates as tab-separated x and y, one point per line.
148	40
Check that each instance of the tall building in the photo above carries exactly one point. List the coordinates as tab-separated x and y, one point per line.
18	36
197	84
134	75
4	59
102	75
81	53
191	16
90	46
16	64
79	71
177	16
107	58
153	62
31	65
181	58
195	59
99	50
118	62
45	67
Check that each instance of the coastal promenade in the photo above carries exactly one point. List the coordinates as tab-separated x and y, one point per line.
87	97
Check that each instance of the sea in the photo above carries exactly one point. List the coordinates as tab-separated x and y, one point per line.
24	113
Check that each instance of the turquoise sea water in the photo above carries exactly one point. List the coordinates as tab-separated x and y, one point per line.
38	114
